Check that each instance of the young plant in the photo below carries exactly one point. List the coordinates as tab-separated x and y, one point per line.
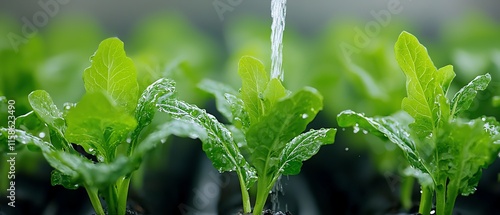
446	151
264	139
95	143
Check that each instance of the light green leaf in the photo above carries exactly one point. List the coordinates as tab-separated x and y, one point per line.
114	73
99	126
218	143
219	90
274	92
302	148
267	138
464	97
254	80
445	76
420	83
47	111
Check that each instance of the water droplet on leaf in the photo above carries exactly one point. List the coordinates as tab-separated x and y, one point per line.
356	128
41	134
304	115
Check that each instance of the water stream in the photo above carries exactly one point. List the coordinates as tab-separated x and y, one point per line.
278	13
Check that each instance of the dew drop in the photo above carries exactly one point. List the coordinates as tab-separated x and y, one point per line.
483	119
100	158
41	134
163	140
304	115
129	140
365	132
433	211
356	128
346	149
343	129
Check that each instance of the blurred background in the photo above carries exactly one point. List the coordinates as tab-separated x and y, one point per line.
342	48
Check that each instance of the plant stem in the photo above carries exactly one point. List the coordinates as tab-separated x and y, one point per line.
440	199
425	201
111	199
94	199
245	197
406	191
263	188
123	187
451	197
262	193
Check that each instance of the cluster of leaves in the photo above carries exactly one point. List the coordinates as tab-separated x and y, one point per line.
264	139
446	152
95	142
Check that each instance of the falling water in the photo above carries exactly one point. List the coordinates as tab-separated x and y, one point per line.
278	13
275	192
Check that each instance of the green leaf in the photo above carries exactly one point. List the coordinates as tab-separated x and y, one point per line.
74	170
219	90
47	111
445	76
240	117
218	143
99	126
274	92
302	148
385	127
79	170
114	73
420	83
289	117
466	148
254	81
464	97
146	108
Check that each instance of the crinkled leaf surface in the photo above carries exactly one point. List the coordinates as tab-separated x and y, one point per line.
218	143
98	125
465	148
114	73
219	90
73	170
240	117
267	138
146	108
48	113
464	97
385	127
302	148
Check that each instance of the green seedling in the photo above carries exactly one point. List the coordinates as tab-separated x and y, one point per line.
96	142
446	152
264	139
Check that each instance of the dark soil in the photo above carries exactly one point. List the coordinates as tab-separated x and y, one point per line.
270	212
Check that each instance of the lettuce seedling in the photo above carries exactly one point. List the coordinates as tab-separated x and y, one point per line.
95	143
446	151
264	139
